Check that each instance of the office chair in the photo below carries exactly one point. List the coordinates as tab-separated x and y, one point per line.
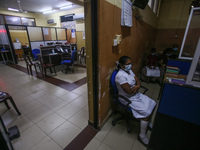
35	53
124	110
69	62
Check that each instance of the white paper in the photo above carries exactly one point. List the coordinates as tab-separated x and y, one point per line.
84	35
126	13
73	33
46	31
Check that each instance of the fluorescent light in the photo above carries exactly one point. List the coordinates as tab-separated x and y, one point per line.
48	11
12	9
66	7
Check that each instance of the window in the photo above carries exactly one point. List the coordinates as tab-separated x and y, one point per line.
28	21
191	36
154	4
13	20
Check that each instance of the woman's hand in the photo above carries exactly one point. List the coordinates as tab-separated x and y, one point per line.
135	89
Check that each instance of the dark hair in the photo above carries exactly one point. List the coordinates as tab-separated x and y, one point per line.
153	50
123	60
167	51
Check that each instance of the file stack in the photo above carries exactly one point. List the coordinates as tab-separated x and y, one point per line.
172	70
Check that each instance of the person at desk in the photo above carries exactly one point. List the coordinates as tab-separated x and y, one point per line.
128	85
151	70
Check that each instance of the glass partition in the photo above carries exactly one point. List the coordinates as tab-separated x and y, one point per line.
194	73
1	19
61	33
191	35
13	20
28	21
49	34
5	45
35	33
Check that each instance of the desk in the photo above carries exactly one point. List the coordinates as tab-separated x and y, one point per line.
2	54
50	55
177	123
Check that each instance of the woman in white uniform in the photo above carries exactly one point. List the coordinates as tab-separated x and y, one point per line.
128	85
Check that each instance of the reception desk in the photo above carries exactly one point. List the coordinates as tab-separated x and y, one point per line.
177	123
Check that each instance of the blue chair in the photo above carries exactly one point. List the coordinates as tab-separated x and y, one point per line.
124	110
35	52
69	62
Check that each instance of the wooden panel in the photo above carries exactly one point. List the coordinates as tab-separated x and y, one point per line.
21	35
80	40
69	37
19	53
136	42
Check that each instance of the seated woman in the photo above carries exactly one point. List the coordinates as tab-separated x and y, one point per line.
128	85
151	70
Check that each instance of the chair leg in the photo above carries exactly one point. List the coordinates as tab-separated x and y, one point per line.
6	103
27	68
31	70
41	70
54	70
50	69
45	72
13	103
35	68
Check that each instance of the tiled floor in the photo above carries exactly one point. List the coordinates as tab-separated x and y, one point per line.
53	116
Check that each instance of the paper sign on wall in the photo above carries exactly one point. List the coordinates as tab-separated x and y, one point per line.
84	35
126	13
73	33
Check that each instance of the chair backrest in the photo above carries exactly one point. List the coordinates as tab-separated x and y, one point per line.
72	57
35	52
112	81
82	52
25	59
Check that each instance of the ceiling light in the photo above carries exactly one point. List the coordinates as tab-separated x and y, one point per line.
48	11
66	7
12	9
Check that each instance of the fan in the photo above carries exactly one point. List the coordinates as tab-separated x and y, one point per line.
23	11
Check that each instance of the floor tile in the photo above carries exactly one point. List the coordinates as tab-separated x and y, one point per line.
80	119
69	97
80	102
65	133
28	138
50	123
93	145
22	122
38	94
29	107
67	111
103	146
104	131
39	114
46	144
119	134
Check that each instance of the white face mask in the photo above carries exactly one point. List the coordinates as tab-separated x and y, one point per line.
169	54
153	54
127	67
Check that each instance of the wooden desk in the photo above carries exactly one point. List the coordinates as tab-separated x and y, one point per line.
180	76
50	55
